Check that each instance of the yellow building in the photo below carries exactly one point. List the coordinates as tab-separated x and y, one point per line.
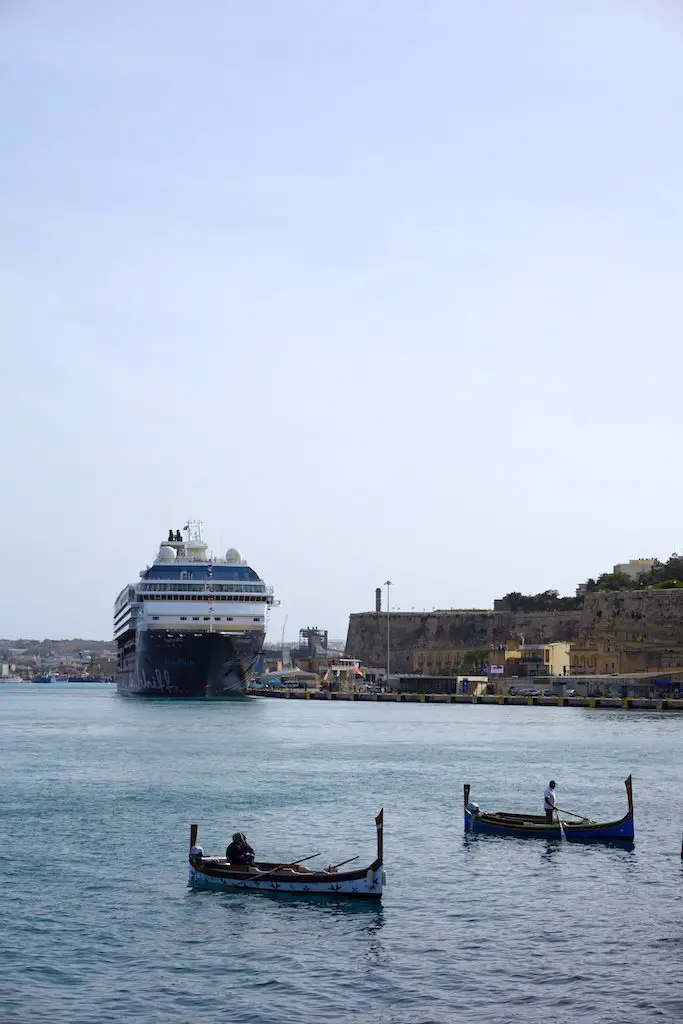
434	663
528	660
600	658
589	659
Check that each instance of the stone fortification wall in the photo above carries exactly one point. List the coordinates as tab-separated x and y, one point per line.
536	627
367	635
644	617
460	630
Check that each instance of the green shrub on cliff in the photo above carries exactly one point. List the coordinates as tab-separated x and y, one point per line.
662	576
615	581
548	601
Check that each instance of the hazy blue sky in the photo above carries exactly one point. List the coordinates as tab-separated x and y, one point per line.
375	288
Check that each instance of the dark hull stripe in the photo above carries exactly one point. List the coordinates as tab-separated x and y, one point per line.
188	666
607	830
314	878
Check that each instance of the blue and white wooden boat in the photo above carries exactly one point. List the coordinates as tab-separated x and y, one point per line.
217	873
502	823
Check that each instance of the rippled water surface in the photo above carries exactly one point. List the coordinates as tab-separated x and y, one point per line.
97	924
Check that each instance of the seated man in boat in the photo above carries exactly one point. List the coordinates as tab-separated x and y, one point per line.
549	801
239	851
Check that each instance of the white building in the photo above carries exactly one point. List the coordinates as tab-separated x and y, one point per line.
635	567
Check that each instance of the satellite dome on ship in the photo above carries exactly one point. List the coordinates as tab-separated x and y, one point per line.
166	554
232	555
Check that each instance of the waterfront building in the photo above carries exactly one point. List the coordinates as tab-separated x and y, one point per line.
595	657
472	685
592	659
429	661
531	660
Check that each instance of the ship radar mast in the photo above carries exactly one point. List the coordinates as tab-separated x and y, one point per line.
195	547
193	529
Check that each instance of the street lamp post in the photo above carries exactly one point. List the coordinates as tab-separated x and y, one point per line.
387	584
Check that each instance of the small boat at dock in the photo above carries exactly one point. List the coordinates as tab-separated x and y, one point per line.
219	874
502	823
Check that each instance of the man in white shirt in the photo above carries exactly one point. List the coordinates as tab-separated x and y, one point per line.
549	801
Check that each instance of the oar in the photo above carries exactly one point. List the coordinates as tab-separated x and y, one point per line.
333	867
559	822
292	864
573	814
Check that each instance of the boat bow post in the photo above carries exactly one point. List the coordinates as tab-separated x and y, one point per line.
471	810
376	876
379	822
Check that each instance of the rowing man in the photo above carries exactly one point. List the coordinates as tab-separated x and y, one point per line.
239	851
550	801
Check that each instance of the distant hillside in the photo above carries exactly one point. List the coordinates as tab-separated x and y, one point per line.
77	656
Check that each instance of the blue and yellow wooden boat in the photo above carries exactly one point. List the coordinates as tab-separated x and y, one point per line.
502	823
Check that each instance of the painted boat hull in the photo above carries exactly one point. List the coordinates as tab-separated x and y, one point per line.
219	875
533	826
600	832
365	884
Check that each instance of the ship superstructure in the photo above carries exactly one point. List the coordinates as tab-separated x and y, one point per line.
193	625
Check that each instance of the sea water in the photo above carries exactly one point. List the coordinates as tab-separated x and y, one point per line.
97	793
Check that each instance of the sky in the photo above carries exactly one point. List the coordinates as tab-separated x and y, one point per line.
381	289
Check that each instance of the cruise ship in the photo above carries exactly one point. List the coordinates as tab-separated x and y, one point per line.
193	625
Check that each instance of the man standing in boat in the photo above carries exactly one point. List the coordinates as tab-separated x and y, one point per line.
550	801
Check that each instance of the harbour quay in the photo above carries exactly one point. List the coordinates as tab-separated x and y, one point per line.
394	697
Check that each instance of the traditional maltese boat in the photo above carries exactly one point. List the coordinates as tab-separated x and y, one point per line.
501	823
219	874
